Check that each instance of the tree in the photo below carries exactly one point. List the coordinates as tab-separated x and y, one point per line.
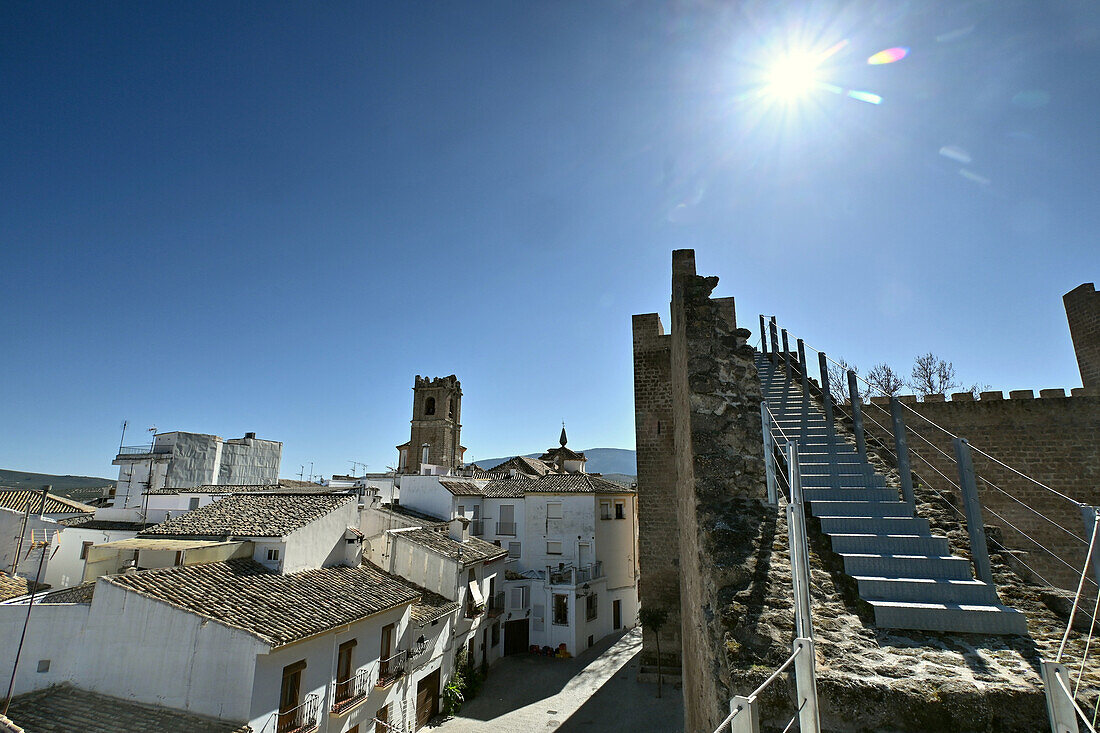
932	375
838	379
884	381
653	618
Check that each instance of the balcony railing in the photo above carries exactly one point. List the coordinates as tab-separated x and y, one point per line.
506	529
496	604
390	670
477	527
300	719
570	575
351	691
138	450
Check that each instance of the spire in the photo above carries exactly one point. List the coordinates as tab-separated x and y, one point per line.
563	440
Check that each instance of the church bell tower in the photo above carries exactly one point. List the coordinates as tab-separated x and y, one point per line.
434	439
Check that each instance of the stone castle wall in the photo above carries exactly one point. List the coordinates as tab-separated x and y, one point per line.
1083	313
653	425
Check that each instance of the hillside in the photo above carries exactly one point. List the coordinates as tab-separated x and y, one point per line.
600	460
78	488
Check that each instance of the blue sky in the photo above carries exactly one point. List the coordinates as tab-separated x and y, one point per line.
269	217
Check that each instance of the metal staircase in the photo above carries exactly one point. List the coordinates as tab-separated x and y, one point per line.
907	574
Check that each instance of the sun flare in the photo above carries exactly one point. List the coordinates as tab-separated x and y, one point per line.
792	76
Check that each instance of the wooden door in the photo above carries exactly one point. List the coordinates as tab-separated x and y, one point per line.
517	636
386	650
616	615
383	718
427	699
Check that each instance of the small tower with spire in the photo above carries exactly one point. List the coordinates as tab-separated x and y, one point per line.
562	458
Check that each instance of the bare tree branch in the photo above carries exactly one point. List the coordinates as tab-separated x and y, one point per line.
884	381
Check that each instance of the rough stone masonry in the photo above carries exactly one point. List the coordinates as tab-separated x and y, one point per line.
731	560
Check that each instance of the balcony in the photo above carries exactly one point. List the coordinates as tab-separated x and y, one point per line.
141	450
392	669
300	719
495	606
506	529
351	692
570	575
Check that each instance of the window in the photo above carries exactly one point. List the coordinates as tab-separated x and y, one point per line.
429	406
290	696
403	459
451	408
521	596
461	512
273	554
84	550
344	688
658	427
514	549
43	665
620	510
590	606
385	650
561	609
553	510
553	547
192	503
424	453
496	635
382	719
605	510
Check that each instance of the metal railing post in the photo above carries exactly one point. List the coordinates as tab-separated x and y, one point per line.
857	414
769	454
747	719
1060	711
973	507
775	341
800	557
1089	514
901	447
804	369
823	364
763	336
805	680
786	355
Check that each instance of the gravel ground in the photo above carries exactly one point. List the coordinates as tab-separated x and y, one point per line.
596	691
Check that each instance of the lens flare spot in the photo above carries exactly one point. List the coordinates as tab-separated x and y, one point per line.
972	176
865	97
888	56
955	153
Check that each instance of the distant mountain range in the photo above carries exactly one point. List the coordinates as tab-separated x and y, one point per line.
608	461
77	488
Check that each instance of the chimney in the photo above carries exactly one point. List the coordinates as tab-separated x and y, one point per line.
250	436
459	529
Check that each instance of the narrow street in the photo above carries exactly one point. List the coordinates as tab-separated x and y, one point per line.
596	691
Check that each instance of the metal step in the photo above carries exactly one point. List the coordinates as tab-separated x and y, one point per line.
848	494
974	619
946	567
926	590
861	509
876	525
891	544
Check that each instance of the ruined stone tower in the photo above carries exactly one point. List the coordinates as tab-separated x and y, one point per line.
436	427
1083	313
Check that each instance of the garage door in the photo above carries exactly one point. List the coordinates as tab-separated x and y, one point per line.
427	699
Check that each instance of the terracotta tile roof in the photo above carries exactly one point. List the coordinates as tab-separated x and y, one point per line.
6	726
468	552
525	465
565	453
252	515
277	609
461	488
411	516
14	587
431	606
64	708
576	483
509	488
90	522
18	499
283	486
76	594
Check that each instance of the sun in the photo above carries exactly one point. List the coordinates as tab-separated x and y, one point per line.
792	76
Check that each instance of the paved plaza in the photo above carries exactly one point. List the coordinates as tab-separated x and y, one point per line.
596	691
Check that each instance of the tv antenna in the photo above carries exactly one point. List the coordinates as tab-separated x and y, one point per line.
355	467
122	440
